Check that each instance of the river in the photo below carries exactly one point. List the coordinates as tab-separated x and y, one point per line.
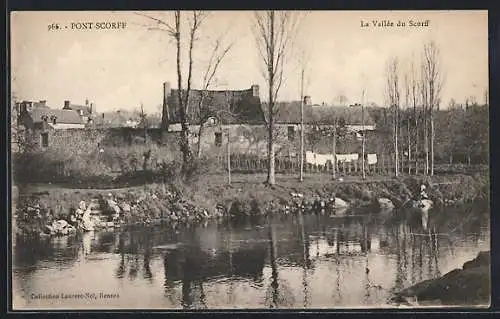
294	262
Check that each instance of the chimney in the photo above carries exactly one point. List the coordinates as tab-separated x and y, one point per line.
66	104
87	102
91	107
307	100
255	90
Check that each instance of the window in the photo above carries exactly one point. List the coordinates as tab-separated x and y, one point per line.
45	139
218	139
291	133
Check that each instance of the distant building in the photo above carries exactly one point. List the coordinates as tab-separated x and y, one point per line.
115	119
40	121
85	111
288	117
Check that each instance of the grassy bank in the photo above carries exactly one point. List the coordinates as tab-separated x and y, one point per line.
210	196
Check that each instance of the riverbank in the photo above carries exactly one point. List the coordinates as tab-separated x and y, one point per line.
469	286
210	196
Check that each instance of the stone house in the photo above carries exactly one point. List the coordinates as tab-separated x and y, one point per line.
239	117
321	119
234	115
40	122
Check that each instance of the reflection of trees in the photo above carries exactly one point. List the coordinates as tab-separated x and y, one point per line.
365	248
278	293
416	256
194	266
274	267
307	261
121	248
338	265
103	242
131	245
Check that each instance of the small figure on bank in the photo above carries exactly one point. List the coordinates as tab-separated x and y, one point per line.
423	194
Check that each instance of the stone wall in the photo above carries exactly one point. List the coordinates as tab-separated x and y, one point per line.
244	139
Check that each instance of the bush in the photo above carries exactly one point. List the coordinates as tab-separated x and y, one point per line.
61	164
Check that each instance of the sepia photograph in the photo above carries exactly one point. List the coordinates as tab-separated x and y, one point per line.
221	160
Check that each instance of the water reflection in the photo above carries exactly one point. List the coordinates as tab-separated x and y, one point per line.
300	262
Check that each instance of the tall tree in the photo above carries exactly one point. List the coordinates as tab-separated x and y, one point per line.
393	96
432	78
342	99
425	115
303	64
195	21
274	32
414	101
407	92
143	122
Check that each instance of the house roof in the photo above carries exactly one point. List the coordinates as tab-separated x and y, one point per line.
231	106
76	107
63	116
289	112
114	119
40	104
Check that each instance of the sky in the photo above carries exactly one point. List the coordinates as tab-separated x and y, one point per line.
120	69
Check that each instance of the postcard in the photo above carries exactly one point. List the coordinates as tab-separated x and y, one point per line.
182	160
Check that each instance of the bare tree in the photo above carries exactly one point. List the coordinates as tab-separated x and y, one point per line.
274	31
143	122
303	63
425	110
407	89
393	95
195	21
205	111
342	99
301	174
432	82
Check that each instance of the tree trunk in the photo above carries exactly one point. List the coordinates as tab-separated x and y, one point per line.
271	180
302	127
363	140
432	144
416	141
272	74
200	132
184	141
228	157
426	143
334	149
396	157
409	149
165	116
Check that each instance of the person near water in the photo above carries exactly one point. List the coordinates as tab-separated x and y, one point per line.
423	193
